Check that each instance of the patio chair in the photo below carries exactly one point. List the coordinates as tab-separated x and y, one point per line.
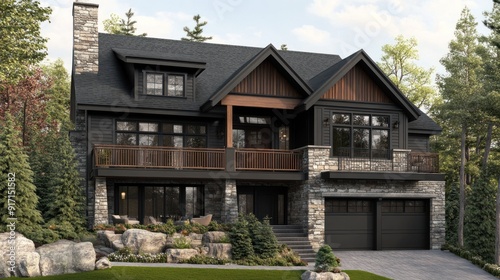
203	220
150	220
124	219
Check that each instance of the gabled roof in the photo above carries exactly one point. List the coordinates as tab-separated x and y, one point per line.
111	88
268	52
329	77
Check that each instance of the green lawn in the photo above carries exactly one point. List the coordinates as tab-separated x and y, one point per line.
153	273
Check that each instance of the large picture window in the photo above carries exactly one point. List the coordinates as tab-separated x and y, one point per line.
164	84
161	134
360	135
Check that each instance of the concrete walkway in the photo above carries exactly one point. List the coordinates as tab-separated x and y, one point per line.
406	265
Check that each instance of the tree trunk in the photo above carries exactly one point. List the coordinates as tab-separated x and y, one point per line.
497	227
461	212
487	147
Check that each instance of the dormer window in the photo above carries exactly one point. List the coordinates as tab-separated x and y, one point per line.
164	84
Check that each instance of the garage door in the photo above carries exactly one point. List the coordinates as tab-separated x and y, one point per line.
405	224
352	224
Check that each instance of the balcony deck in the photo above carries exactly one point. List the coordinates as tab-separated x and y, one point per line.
196	159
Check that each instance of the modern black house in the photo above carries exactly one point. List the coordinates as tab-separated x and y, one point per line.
173	129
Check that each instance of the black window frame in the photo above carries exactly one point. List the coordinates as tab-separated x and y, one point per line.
165	83
352	151
160	133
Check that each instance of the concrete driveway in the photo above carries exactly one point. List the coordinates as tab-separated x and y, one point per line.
410	265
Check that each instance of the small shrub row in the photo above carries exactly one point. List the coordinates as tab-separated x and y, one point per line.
125	255
493	269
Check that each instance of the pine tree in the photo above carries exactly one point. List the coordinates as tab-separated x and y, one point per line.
264	241
196	34
240	240
65	212
459	89
115	25
452	209
14	168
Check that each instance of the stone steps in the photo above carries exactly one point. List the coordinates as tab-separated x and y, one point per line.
295	238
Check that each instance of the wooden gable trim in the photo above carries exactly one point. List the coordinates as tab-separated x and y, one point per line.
260	101
267	80
356	85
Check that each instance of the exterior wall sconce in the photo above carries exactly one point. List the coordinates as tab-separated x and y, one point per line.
123	195
326	121
395	125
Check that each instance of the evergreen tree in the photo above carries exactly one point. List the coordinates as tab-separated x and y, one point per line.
14	168
452	209
264	241
459	88
480	219
326	261
115	25
196	34
20	38
240	239
66	211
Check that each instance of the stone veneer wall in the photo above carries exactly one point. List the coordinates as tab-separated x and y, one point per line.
85	38
317	160
101	202
230	202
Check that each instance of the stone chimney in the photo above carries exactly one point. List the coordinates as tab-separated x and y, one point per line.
85	38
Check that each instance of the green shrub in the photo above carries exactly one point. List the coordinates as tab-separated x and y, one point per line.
167	228
326	261
187	228
201	259
263	239
182	243
43	236
240	239
291	257
224	239
125	255
477	260
103	227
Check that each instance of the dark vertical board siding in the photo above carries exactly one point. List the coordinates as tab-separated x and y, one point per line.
101	130
418	142
299	130
213	140
395	132
357	85
265	79
189	88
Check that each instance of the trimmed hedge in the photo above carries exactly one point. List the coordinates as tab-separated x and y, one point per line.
493	269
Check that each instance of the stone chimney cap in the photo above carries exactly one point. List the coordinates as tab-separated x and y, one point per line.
86	3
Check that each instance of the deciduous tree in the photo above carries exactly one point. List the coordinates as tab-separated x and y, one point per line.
398	62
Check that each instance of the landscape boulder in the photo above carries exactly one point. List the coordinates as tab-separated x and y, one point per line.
311	275
219	250
102	263
64	256
176	255
23	260
213	237
143	241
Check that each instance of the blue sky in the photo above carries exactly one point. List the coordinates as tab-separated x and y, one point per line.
326	26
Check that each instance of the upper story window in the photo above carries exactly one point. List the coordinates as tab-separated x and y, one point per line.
161	134
164	84
360	135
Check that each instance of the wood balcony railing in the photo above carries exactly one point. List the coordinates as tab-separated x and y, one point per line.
402	161
195	158
158	157
265	159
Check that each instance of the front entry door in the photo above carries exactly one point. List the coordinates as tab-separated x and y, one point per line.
263	202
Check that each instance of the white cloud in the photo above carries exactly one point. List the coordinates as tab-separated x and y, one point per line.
311	34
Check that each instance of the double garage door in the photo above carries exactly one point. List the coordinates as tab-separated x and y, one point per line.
376	224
